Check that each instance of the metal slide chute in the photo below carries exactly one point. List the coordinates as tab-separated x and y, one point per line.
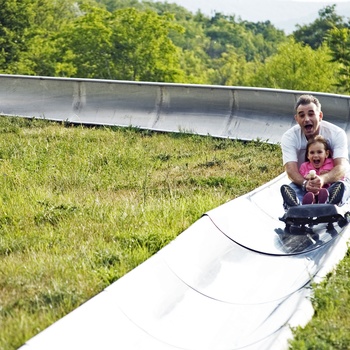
208	289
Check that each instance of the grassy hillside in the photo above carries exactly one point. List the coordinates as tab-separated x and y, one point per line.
80	207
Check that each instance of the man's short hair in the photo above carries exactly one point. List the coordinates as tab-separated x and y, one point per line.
307	99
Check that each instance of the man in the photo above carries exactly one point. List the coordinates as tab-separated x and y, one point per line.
309	118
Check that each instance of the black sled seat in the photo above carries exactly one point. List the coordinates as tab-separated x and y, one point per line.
313	214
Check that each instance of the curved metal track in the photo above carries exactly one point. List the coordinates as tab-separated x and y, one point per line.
232	280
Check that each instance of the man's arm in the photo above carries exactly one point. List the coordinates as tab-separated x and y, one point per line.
314	185
293	173
336	174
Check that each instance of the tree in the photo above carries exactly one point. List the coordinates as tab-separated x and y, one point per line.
142	49
112	5
339	43
195	67
130	40
297	67
315	33
264	37
222	31
29	29
228	69
126	44
15	18
85	45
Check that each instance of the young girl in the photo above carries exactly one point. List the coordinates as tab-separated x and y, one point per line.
318	162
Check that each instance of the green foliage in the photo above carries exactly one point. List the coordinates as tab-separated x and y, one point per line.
329	328
163	42
298	67
112	5
315	33
229	69
253	41
92	56
339	43
142	48
190	39
332	30
14	22
126	44
28	30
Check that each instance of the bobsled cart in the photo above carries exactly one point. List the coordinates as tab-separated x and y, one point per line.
303	219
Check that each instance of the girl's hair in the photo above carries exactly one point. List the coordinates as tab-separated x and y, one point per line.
318	139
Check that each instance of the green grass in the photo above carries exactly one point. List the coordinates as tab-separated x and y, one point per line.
82	206
330	326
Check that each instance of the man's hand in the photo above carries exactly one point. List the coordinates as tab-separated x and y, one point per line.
314	185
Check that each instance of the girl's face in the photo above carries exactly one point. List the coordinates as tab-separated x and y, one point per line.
317	154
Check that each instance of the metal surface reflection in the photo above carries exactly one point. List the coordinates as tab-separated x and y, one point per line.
211	288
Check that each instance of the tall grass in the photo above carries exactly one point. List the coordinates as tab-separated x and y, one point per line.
82	206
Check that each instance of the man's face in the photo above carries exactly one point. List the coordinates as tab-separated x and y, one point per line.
309	118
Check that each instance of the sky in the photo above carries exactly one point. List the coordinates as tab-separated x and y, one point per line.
284	14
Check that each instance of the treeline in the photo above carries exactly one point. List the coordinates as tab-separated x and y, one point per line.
163	42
